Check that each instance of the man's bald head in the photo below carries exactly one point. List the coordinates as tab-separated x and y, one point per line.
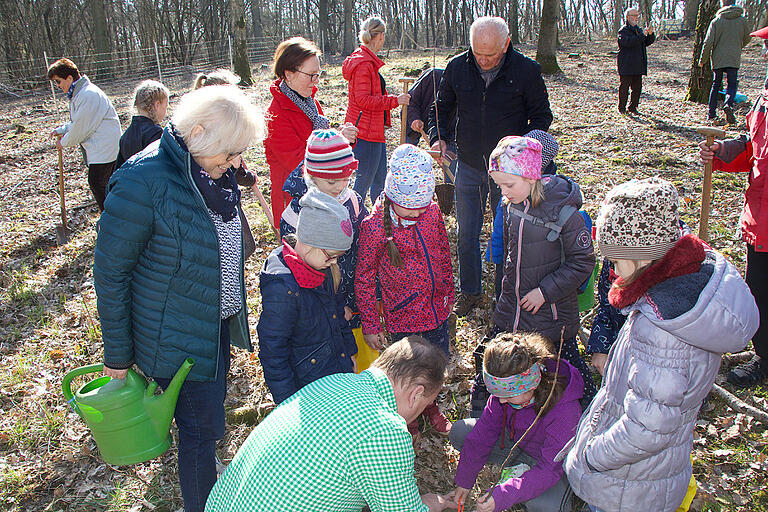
489	37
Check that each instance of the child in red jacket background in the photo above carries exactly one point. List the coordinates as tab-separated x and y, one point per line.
404	246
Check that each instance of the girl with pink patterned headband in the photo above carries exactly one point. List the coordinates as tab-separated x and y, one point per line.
519	371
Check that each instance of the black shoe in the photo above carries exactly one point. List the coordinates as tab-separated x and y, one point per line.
749	374
466	303
622	111
729	115
633	110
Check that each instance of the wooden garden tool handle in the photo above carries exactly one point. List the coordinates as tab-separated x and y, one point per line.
404	113
706	192
62	203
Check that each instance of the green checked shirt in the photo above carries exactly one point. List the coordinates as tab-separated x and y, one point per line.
336	445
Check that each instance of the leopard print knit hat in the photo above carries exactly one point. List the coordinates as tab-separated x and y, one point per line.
639	220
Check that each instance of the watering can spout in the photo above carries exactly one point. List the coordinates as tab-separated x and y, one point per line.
160	408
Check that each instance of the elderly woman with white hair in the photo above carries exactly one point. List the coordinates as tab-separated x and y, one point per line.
168	268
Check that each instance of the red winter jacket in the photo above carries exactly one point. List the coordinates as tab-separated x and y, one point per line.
417	296
361	70
288	130
750	154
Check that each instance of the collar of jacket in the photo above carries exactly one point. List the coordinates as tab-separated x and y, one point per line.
77	86
284	101
377	62
685	257
306	276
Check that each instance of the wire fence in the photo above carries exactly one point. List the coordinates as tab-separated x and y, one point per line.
174	65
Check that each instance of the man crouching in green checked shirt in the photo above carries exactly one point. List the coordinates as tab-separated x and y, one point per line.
340	443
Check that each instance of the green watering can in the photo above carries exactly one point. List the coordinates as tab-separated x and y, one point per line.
129	422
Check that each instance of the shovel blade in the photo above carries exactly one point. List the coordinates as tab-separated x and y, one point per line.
62	235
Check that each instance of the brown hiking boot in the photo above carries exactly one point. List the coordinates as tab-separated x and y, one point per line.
729	116
466	303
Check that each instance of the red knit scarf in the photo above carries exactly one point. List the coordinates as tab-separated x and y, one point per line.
306	276
685	257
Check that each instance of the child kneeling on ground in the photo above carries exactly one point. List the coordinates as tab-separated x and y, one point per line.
519	371
686	306
303	335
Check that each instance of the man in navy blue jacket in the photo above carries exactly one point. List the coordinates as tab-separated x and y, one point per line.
496	91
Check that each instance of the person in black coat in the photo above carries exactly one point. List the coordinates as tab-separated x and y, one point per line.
150	101
632	59
496	91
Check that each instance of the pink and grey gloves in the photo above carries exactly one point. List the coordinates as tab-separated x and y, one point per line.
520	156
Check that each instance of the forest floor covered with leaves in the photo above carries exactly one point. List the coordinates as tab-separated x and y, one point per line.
49	324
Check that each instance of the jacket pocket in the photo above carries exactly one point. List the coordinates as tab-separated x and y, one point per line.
405	302
313	365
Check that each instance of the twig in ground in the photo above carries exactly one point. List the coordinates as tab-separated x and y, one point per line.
739	357
739	405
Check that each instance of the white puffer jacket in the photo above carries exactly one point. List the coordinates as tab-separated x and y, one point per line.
632	448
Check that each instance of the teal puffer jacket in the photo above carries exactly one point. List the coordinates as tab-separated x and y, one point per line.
156	269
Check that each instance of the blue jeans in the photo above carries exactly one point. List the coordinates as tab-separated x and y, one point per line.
717	84
200	421
372	169
439	336
472	189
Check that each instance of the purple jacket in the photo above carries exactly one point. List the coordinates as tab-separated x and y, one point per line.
543	442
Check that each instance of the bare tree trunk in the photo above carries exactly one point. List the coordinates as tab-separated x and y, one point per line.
513	22
322	6
349	28
240	43
689	14
546	54
700	82
618	16
101	41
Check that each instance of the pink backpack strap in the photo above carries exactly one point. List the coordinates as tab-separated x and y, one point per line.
355	203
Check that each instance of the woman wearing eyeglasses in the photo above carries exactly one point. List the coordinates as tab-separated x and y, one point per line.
168	268
293	114
370	103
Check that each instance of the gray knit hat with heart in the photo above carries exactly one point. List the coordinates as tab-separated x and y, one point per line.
638	220
323	222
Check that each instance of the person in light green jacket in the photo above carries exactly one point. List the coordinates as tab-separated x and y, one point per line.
726	36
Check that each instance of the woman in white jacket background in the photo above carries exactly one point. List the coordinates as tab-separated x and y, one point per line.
94	125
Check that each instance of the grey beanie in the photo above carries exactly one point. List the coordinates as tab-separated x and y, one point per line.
638	220
323	222
549	146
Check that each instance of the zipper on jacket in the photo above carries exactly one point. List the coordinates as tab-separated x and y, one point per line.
517	265
218	243
431	273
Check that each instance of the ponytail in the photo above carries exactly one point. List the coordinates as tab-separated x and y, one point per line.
394	255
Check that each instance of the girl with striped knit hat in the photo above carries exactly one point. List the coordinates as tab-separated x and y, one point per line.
404	248
329	166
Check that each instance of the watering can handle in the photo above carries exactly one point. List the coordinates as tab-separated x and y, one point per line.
67	382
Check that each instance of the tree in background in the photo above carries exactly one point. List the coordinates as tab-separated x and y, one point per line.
700	82
240	43
546	54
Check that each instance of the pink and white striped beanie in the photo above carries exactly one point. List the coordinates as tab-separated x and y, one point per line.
329	155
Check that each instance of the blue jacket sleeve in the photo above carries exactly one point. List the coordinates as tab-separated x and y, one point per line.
275	330
125	228
495	251
608	320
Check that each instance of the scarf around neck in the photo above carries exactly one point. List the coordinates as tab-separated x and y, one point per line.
306	276
308	106
221	195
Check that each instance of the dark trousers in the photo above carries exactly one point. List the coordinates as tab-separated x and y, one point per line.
717	84
757	280
438	336
473	188
625	82
371	169
200	421
98	177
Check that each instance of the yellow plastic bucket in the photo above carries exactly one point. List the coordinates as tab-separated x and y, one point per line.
365	354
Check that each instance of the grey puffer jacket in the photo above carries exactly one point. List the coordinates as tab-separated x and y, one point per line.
632	448
558	267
